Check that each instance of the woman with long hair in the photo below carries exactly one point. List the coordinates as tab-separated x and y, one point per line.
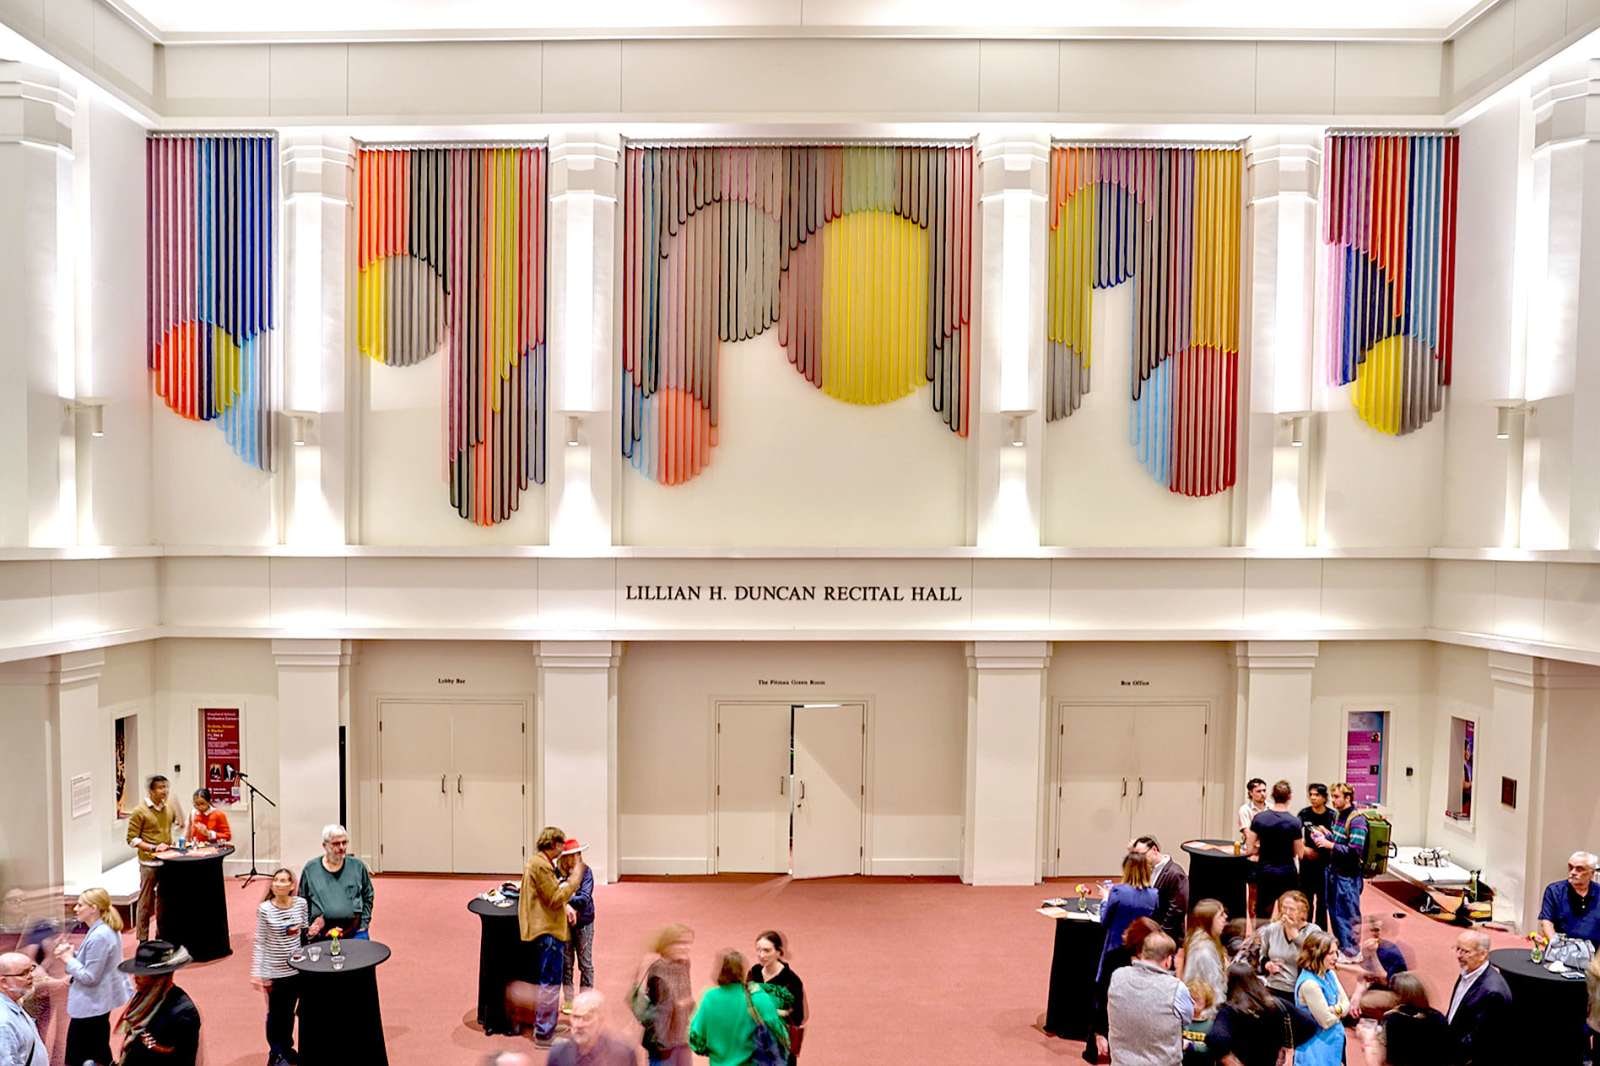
773	970
1281	941
1204	958
97	987
1251	1026
663	999
1318	990
725	1025
1413	1032
281	920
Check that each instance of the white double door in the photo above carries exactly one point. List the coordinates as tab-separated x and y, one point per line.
451	787
1126	770
790	788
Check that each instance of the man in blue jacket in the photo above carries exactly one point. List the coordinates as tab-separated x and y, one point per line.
580	925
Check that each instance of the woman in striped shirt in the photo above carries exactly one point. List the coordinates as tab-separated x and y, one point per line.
281	921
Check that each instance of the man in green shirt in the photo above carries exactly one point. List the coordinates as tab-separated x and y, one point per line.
337	888
150	831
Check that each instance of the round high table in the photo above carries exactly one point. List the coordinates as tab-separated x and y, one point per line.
1070	1009
340	1020
1215	872
500	961
191	906
1549	1008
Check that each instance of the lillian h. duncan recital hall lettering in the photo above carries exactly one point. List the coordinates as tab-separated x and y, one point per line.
796	593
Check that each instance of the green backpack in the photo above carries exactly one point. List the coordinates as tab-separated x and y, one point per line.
1380	845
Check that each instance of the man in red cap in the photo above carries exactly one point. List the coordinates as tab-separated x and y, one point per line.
580	922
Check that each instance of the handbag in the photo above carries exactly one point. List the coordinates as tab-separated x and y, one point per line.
765	1049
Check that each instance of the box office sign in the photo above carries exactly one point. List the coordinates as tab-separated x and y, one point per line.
219	754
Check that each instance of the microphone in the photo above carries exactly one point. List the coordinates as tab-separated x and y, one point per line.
229	773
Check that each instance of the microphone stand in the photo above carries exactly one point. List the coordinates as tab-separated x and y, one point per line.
246	878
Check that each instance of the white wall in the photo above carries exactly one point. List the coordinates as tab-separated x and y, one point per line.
1487	335
795	467
1169	672
1378	490
191	674
127	687
1463	690
405	498
403	668
1096	493
112	353
1397	677
916	696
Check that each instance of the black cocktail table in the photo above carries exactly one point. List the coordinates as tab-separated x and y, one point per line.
500	961
191	906
340	1019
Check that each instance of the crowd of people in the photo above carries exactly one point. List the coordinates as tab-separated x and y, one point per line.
1184	984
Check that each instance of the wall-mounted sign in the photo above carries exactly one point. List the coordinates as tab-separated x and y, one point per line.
219	753
793	593
82	794
1365	748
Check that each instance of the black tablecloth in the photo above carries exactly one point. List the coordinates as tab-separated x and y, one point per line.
340	1020
1549	1009
1070	1010
501	956
191	906
1218	875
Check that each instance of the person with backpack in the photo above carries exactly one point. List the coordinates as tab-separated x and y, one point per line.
735	1025
1345	846
663	999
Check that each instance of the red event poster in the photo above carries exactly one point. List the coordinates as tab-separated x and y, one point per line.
219	749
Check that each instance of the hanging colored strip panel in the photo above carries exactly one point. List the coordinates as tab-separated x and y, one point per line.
861	258
211	260
450	247
1169	220
1389	227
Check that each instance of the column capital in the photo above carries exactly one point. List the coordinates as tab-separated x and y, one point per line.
316	164
1008	654
1532	674
1275	654
312	654
584	162
1284	163
577	654
68	668
1013	163
1566	105
34	108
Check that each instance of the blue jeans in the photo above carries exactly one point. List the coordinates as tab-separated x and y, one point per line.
546	961
579	949
360	934
1344	909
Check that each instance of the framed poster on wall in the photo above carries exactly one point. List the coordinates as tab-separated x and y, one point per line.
219	753
1366	747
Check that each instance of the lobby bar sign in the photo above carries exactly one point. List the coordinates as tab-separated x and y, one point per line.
794	593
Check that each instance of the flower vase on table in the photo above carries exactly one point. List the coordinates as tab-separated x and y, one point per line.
1537	943
1083	897
334	936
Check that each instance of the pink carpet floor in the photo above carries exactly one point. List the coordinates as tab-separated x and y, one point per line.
896	970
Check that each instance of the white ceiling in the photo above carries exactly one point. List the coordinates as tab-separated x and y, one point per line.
350	19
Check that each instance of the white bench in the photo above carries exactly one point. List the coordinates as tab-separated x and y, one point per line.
121	881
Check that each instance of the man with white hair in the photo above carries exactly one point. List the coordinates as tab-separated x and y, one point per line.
1481	1029
1569	906
590	1044
337	888
19	1037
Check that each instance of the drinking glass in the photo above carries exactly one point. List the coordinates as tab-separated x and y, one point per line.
314	952
338	962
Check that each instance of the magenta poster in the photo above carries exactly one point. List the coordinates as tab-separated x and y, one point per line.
1363	754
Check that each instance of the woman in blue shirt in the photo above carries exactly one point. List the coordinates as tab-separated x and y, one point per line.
97	988
1133	898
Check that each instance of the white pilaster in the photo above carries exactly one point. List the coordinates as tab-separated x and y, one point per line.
1561	481
320	376
1006	763
37	349
1272	730
81	748
1272	510
583	210
313	695
30	838
1013	171
577	778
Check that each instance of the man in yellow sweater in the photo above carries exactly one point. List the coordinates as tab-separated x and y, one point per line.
150	831
542	913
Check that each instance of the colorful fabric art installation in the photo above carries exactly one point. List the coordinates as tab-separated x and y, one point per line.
861	257
1389	225
1168	218
450	244
211	258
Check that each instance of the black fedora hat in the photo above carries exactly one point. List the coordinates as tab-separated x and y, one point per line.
154	958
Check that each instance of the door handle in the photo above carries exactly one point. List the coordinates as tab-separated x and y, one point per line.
1124	788
1141	787
459	792
783	785
442	790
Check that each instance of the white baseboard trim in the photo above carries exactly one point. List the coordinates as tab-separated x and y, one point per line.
663	866
914	867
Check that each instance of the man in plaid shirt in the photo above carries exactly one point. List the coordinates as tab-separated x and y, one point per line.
1344	845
